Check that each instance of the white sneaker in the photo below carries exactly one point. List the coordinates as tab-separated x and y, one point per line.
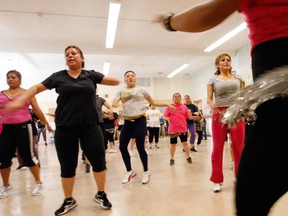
216	188
131	153
128	177
37	189
147	152
4	191
146	177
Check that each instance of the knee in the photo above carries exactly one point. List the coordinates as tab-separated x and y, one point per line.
67	173
4	165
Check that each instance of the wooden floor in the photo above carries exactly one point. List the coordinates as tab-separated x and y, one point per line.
183	189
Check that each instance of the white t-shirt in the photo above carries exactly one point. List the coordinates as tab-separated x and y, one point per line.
153	117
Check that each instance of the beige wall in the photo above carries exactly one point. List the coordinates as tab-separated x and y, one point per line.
194	85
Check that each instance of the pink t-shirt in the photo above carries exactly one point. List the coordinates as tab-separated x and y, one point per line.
20	116
266	19
177	118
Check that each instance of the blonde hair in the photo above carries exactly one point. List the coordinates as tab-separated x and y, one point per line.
217	60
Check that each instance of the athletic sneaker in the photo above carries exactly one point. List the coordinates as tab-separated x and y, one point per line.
146	177
189	160
102	200
4	191
37	189
128	177
131	153
66	206
216	188
193	149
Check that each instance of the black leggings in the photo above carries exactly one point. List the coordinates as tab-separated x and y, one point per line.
135	128
67	140
262	176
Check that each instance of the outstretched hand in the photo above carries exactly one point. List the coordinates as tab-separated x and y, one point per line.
171	107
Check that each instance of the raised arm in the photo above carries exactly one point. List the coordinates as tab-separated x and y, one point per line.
201	17
27	95
158	103
108	80
38	112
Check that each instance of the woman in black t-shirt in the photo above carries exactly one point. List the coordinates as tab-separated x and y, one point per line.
75	119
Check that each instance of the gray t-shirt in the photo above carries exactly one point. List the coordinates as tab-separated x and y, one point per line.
133	100
222	88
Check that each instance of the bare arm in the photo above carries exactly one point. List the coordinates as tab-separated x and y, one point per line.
194	118
158	103
210	96
27	95
108	80
115	103
38	112
107	105
201	17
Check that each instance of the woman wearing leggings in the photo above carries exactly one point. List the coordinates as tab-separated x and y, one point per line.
133	100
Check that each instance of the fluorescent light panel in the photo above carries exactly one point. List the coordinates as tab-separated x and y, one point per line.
106	68
178	70
226	37
114	10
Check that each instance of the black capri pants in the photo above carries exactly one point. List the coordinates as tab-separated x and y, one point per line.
67	140
17	136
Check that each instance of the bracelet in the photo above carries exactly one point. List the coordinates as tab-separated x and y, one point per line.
167	21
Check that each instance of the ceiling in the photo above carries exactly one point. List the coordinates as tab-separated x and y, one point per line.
34	34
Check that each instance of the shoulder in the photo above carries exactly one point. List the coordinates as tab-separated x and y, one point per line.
212	80
238	77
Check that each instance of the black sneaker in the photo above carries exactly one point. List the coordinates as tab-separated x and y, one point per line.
172	162
103	201
189	160
66	207
193	149
87	168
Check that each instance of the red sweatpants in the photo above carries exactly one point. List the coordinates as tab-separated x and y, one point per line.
219	133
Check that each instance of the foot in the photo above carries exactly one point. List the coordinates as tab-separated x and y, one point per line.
193	149
102	200
128	177
146	177
37	189
172	161
87	169
4	191
67	205
216	188
189	160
